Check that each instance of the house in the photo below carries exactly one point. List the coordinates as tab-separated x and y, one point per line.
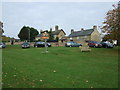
57	33
39	36
83	35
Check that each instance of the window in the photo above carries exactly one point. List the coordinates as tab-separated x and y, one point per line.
70	38
78	37
85	36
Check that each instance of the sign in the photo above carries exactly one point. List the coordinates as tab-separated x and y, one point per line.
45	37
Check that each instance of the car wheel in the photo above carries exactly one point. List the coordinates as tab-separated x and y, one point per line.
94	46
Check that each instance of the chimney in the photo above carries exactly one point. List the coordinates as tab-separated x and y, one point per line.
95	27
50	29
41	31
56	27
72	30
82	29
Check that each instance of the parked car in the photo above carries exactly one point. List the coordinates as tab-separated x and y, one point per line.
107	45
26	45
72	44
41	44
94	44
2	45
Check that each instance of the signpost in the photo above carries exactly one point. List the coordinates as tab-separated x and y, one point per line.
45	37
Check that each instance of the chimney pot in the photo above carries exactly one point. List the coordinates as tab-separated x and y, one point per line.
56	27
72	30
94	27
82	29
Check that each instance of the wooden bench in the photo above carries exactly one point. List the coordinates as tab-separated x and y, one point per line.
85	49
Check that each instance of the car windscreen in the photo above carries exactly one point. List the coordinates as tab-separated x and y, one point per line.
97	42
108	43
0	43
39	42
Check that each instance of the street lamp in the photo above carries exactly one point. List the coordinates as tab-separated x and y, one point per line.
45	33
29	34
45	37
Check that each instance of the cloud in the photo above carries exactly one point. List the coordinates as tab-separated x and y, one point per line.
45	15
60	0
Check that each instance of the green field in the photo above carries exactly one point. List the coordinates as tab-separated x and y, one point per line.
62	67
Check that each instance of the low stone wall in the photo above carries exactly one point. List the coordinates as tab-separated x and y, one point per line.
32	43
15	43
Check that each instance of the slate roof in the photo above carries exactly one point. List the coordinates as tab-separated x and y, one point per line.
39	35
56	32
81	33
53	33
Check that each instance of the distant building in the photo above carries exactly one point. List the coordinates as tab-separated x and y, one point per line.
39	36
57	33
83	35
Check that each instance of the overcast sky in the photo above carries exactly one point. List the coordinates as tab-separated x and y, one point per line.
43	15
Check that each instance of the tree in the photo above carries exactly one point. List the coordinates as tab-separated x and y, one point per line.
111	25
24	33
51	37
33	33
5	38
27	33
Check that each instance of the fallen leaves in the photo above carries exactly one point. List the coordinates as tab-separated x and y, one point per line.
33	80
41	80
54	71
4	75
91	87
33	86
14	75
86	81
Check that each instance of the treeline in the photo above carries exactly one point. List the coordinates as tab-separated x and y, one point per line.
28	33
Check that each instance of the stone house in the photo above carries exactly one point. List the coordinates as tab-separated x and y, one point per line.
56	33
39	36
83	35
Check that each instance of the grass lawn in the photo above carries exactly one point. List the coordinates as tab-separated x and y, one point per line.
62	67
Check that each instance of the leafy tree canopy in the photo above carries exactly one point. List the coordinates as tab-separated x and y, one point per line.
28	33
111	25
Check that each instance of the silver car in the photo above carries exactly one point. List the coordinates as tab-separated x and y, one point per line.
2	45
72	44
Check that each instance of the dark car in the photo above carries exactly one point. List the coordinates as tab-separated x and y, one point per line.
2	45
72	44
26	45
107	45
94	44
41	44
